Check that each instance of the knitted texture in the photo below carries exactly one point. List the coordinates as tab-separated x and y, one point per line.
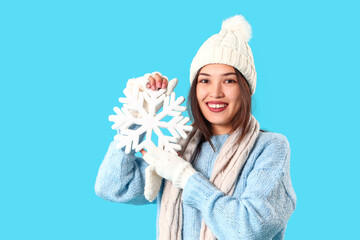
230	46
152	183
226	169
259	208
168	165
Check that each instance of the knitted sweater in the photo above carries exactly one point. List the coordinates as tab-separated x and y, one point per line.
260	207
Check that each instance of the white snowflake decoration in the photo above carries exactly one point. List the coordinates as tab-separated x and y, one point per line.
149	120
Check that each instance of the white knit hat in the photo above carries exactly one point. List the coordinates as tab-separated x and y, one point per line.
230	46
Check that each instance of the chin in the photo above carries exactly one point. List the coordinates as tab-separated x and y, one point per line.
219	122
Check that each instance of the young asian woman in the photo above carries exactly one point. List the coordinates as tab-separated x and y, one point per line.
231	180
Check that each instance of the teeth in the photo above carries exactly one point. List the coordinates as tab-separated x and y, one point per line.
217	105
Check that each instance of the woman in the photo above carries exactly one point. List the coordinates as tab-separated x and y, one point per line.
231	180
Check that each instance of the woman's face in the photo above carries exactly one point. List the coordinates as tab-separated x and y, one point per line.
218	95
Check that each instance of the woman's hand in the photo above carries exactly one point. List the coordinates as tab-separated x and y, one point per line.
157	81
168	165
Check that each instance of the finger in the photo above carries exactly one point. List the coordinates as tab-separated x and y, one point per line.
165	82
172	84
152	83
159	80
143	152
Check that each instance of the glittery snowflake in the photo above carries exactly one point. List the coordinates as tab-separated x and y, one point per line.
141	109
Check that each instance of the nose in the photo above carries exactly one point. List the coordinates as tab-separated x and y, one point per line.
216	91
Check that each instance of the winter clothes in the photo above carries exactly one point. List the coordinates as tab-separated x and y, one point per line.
225	171
259	208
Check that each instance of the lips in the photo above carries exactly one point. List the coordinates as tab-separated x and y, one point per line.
215	106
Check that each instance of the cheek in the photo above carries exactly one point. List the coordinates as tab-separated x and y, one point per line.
200	94
235	98
234	94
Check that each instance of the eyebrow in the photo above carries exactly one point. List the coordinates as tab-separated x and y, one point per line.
225	74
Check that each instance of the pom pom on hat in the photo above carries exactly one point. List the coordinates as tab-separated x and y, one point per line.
239	25
230	46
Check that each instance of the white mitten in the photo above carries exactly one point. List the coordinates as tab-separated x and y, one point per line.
152	183
169	166
136	85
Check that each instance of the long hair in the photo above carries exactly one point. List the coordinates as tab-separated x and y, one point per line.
240	120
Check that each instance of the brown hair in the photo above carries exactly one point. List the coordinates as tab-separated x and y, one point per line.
241	119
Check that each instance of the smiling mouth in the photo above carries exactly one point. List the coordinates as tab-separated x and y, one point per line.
217	107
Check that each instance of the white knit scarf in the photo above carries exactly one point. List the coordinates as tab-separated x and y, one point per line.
225	173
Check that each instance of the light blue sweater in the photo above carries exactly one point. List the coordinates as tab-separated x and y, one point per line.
259	208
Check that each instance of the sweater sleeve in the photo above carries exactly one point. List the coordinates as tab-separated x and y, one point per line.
263	208
121	177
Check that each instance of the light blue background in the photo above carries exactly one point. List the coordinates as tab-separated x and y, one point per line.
63	65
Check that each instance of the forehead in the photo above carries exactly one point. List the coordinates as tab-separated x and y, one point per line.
214	69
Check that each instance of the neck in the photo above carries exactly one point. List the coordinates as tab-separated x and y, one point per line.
218	130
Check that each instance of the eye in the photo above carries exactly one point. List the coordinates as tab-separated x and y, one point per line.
230	81
203	80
